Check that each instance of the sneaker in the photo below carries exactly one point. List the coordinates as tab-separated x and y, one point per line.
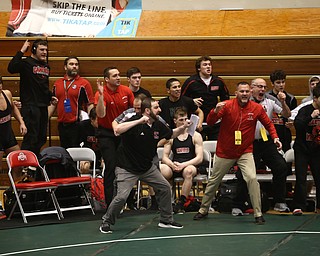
259	220
105	228
281	207
199	216
178	208
236	212
171	224
297	212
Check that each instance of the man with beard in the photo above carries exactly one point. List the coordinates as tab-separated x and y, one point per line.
74	93
239	117
205	88
139	138
264	149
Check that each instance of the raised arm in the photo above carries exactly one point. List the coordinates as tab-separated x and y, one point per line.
100	108
125	126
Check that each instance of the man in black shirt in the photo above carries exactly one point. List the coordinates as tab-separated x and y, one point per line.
307	151
175	100
134	80
205	88
139	138
35	95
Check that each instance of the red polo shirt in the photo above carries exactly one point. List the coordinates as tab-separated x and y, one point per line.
115	102
78	90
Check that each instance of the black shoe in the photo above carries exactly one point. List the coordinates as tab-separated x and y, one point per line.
199	216
259	220
171	224
105	228
179	207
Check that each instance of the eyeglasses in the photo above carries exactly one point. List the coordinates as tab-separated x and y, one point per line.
260	86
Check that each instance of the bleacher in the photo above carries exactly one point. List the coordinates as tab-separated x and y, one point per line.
238	54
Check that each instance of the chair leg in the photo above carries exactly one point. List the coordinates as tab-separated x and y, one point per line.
138	194
56	205
87	198
20	206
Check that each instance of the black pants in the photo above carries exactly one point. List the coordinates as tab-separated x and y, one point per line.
108	148
302	160
268	153
69	134
36	121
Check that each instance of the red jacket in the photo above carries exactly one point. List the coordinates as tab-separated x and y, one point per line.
236	118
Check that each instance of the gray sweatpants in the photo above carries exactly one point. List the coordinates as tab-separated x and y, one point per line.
125	182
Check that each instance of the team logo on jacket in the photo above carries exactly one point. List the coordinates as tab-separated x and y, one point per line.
316	134
156	135
250	116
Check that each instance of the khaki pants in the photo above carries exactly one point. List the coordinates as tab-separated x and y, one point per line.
220	168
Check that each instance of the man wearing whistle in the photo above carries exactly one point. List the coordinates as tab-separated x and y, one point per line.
239	117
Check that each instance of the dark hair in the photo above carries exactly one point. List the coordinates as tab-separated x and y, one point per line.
316	91
106	72
170	81
146	103
277	75
93	113
36	43
242	83
199	60
69	58
132	71
180	111
140	96
1	80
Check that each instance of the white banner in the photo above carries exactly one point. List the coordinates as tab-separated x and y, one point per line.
68	18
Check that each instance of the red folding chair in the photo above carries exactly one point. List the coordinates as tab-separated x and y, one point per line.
22	159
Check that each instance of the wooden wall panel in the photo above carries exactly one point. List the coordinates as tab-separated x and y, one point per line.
297	85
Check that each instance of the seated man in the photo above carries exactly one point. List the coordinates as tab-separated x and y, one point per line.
87	131
187	154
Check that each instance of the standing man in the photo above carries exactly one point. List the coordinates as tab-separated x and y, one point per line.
175	100
235	143
35	95
134	80
73	93
205	88
307	151
278	82
111	100
264	149
140	136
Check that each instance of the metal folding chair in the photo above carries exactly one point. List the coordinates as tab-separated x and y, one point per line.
22	159
83	182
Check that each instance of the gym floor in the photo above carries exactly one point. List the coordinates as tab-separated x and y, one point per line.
138	234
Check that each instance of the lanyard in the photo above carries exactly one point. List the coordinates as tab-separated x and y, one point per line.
67	88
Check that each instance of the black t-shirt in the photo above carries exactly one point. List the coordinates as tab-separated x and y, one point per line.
307	131
168	108
142	91
139	145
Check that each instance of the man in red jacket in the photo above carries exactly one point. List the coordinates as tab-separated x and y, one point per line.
235	144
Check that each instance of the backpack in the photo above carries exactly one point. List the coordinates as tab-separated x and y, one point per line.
226	194
192	204
97	193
